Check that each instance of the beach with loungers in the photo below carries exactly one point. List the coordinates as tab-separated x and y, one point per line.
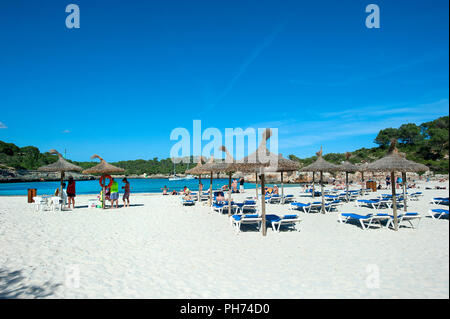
162	247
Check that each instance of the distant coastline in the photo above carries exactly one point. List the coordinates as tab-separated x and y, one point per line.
20	176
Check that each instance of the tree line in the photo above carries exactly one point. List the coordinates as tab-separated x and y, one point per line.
426	143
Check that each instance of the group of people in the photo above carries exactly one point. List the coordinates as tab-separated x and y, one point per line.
186	192
112	193
234	184
68	194
272	190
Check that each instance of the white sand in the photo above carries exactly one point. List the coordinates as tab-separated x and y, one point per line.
164	250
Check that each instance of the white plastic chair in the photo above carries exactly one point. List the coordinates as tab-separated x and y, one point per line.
55	203
39	203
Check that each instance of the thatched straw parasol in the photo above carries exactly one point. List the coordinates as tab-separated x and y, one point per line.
103	168
263	161
362	167
61	165
197	170
216	167
207	169
347	167
320	165
396	162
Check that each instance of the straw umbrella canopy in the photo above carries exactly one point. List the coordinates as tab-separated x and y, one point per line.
197	170
206	169
362	167
321	165
347	167
263	161
417	167
61	165
103	168
217	167
211	176
393	162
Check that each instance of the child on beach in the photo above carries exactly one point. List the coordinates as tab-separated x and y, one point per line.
114	193
63	195
126	194
165	190
71	192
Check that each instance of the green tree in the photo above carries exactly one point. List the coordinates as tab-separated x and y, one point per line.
410	133
384	136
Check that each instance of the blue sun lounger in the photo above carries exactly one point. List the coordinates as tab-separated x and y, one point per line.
405	217
366	221
288	199
238	220
415	196
332	205
371	203
438	213
440	200
221	206
273	199
246	205
296	205
187	202
277	221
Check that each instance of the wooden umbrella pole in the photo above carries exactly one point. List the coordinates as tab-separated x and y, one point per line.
256	185
62	181
199	182
346	183
103	194
282	189
263	205
394	201
404	191
321	190
210	189
229	194
313	188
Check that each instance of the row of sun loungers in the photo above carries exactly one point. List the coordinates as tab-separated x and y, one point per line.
366	221
440	201
274	221
246	213
314	206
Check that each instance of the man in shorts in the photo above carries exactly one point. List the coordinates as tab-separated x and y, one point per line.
241	185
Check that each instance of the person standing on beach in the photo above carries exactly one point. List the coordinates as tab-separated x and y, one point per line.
71	192
399	182
114	193
241	185
126	194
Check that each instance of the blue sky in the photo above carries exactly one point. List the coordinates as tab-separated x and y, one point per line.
136	70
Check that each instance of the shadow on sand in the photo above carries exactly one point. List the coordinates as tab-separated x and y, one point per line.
12	286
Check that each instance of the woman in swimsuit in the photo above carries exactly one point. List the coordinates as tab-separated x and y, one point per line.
126	194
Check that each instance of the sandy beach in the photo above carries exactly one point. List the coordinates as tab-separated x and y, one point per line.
160	249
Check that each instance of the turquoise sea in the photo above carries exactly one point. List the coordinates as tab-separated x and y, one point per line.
137	186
